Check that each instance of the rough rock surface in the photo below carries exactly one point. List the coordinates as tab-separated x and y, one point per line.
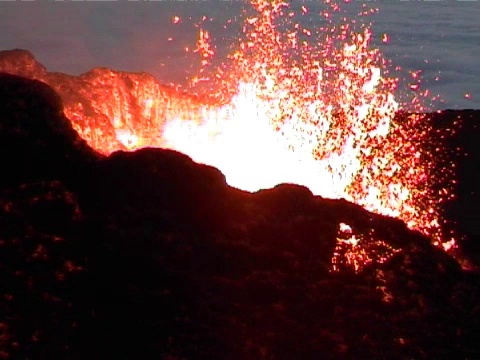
150	255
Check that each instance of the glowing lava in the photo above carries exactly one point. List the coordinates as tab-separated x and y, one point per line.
312	110
355	251
293	104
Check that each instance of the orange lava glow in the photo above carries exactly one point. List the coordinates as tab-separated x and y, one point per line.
355	251
310	106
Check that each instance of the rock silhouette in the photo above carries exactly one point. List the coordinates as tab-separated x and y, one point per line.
37	140
150	255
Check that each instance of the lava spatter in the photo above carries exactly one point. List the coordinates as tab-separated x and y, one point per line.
316	109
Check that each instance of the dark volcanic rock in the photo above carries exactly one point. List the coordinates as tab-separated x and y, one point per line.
150	255
37	141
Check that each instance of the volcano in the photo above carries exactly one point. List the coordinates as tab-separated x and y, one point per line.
148	254
362	154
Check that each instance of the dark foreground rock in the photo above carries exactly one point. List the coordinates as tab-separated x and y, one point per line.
150	255
37	140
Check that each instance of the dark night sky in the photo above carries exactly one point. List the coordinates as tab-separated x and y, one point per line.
441	38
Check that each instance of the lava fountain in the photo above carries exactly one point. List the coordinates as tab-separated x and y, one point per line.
292	104
316	110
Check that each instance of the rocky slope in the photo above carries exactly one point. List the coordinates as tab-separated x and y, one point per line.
150	255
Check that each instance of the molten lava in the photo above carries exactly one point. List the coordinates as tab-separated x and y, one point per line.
311	106
319	113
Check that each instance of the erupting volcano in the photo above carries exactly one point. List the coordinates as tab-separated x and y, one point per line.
313	107
310	106
284	204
